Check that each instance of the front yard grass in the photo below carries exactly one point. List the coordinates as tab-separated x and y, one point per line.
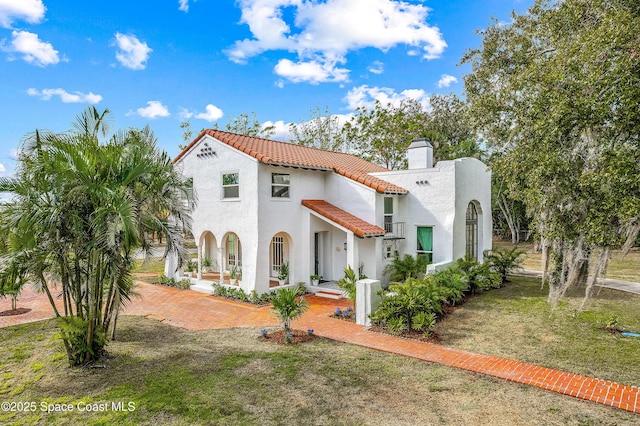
180	377
516	322
623	268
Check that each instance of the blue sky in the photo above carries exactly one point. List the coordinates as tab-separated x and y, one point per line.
161	62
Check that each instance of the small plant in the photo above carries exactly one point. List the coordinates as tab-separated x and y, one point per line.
263	333
287	306
337	312
254	298
283	274
192	266
348	283
301	288
183	284
206	262
612	322
316	277
310	332
288	337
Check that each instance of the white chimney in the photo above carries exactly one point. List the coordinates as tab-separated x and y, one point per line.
420	154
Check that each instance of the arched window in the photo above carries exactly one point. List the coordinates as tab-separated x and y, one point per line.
472	232
234	252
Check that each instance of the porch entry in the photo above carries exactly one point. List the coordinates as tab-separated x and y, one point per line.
320	245
278	253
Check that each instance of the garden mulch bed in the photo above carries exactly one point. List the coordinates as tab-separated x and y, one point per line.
299	336
12	312
408	334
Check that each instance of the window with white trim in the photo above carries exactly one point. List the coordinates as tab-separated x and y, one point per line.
280	183
425	242
231	185
388	215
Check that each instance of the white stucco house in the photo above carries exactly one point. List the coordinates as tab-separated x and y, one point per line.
262	203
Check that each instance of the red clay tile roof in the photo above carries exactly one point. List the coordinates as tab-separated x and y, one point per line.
291	155
354	224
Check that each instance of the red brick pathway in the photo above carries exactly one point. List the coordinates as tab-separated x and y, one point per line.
197	311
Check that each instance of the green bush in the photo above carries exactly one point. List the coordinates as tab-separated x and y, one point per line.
183	284
416	302
406	267
479	275
504	262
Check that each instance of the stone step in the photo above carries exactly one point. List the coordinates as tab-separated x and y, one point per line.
329	294
202	287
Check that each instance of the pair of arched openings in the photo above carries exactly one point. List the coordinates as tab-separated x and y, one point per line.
232	251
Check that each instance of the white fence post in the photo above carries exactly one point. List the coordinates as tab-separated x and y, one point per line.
367	300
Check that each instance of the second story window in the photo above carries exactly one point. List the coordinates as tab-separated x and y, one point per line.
280	183
388	214
231	185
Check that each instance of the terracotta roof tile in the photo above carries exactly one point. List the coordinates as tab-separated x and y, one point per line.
291	155
354	224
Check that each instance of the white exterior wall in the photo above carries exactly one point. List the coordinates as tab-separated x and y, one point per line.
286	215
473	183
220	216
427	204
439	197
351	196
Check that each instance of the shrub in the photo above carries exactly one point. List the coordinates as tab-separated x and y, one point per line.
183	284
504	262
406	267
396	325
408	299
479	275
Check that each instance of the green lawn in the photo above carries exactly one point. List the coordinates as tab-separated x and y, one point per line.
516	322
178	377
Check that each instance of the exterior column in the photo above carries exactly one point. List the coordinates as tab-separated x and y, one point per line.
200	248
353	259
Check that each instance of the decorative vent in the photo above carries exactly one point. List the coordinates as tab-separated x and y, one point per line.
206	152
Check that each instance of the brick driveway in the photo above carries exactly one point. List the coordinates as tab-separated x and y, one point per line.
197	311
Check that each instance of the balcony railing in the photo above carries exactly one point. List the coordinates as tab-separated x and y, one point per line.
394	231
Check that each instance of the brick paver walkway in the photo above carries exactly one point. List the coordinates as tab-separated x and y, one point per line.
197	311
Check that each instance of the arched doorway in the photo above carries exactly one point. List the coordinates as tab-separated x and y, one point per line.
208	249
232	252
279	250
472	231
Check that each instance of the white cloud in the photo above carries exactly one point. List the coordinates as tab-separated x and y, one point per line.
183	5
313	72
321	34
365	96
446	80
376	67
2	168
66	97
212	113
185	114
13	153
32	49
31	11
281	130
154	109
132	52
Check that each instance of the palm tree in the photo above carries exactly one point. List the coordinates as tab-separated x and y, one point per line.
82	205
287	306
